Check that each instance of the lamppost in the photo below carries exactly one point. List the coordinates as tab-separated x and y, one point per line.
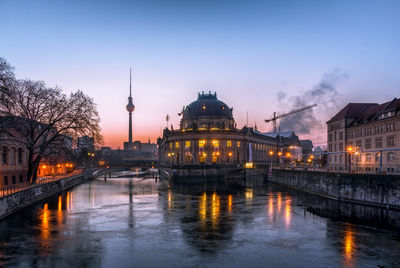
288	157
357	155
280	160
350	150
271	153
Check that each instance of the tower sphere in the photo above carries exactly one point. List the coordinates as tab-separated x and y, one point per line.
130	107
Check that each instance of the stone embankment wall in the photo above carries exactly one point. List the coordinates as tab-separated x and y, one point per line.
369	189
11	203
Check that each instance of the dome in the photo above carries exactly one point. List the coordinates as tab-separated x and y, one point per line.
207	112
207	105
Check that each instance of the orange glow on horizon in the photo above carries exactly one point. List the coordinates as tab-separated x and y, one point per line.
116	140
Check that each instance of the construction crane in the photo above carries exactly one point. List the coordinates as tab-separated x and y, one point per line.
275	117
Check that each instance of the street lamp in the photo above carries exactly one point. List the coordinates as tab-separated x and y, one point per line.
280	159
288	157
350	150
271	153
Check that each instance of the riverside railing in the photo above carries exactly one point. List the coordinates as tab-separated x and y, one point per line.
6	190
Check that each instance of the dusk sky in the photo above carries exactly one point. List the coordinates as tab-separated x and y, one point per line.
259	56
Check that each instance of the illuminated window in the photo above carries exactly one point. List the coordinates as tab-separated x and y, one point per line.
177	144
229	144
215	143
187	144
170	145
238	144
202	143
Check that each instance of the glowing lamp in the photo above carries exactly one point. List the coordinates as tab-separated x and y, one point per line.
249	165
271	152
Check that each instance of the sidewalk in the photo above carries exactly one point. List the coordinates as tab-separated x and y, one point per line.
10	189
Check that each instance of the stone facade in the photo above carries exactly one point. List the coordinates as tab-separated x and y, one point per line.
13	164
369	130
369	189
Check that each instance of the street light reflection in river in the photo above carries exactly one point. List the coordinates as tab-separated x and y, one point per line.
348	247
249	196
230	204
279	202
288	212
270	205
203	208
169	199
215	210
45	222
59	210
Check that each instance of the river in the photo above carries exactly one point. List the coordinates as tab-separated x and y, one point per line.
134	221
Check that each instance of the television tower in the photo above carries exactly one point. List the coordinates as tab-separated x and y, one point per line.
130	107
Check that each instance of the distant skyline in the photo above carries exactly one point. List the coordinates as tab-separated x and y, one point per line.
259	56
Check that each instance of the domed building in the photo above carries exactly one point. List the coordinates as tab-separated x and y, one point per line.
208	135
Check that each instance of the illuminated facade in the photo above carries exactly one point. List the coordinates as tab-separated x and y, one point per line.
360	133
208	135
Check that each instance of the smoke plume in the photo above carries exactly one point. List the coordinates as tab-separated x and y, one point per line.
324	94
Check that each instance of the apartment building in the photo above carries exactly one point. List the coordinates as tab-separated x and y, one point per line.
365	137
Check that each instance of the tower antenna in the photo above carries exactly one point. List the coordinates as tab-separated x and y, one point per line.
130	82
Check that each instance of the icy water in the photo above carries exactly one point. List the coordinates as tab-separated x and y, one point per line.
138	222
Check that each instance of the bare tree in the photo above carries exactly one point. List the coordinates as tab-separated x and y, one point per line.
42	117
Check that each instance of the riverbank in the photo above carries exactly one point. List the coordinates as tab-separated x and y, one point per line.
366	189
13	202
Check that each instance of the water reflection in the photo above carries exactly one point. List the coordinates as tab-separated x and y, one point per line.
249	196
288	211
349	247
207	223
270	205
45	231
279	201
59	210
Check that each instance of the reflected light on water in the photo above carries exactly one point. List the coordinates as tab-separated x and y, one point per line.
249	196
169	199
279	201
349	247
67	202
230	204
288	211
203	208
45	222
59	210
270	205
215	210
59	203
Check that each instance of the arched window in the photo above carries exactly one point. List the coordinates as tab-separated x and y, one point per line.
4	155
368	158
391	157
377	157
19	155
12	156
